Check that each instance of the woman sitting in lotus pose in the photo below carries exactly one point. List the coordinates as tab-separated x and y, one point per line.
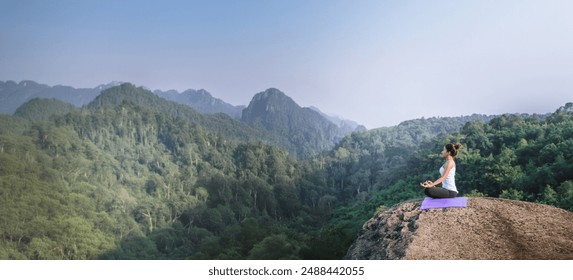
448	173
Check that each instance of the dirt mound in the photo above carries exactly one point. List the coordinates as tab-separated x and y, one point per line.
488	229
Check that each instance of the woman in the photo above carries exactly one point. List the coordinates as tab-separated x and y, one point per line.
448	173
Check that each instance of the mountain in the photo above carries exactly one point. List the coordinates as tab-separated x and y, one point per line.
202	101
488	229
307	131
216	123
130	181
346	126
13	95
133	176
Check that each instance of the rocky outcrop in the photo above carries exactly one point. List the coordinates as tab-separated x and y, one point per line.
489	228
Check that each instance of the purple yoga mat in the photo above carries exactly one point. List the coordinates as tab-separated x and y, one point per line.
456	202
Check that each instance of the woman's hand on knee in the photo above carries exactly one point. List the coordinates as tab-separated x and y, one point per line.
426	184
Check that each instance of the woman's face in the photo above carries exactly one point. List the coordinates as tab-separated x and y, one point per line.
445	153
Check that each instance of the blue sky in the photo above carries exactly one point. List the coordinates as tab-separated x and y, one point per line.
375	62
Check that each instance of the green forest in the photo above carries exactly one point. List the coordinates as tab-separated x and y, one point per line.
124	178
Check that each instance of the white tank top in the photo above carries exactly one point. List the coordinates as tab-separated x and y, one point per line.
450	182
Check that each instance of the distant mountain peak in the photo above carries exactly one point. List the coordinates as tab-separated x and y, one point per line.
202	101
115	96
307	131
125	85
13	94
203	92
27	83
109	85
272	100
273	93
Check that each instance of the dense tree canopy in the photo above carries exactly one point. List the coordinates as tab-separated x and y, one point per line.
126	180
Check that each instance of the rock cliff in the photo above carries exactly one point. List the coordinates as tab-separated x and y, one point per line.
489	228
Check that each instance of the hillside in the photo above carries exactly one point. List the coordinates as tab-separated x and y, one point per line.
488	229
131	182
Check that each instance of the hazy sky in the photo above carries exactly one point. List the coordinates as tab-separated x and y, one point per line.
375	62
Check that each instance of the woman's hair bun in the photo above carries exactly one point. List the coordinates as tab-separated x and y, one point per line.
453	149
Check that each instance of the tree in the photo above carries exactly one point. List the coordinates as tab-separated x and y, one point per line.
549	196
